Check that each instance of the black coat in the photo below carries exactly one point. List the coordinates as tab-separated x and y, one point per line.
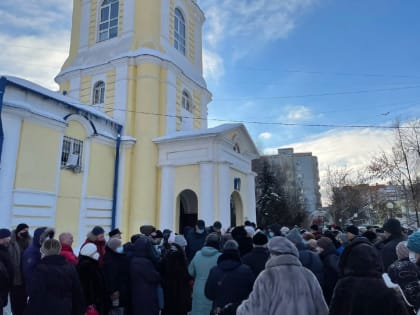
116	275
6	275
54	288
256	259
145	280
230	281
362	291
388	253
311	260
195	241
176	282
93	284
329	258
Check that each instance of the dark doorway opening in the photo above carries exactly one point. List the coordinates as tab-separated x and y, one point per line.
188	210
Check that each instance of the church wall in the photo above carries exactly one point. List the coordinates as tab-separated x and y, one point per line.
147	24
86	90
110	92
93	22
101	170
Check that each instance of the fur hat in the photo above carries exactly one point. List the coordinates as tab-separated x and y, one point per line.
4	233
50	247
90	250
21	227
114	243
147	229
413	243
260	239
114	232
97	230
294	236
280	245
352	229
393	226
402	250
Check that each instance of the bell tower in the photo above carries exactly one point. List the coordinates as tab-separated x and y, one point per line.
139	62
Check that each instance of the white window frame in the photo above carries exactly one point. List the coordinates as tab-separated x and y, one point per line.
71	153
107	24
187	102
98	93
180	42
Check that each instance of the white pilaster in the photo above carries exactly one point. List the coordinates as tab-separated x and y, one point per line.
121	91
250	206
224	193
84	25
171	102
129	14
206	202
166	215
85	173
11	127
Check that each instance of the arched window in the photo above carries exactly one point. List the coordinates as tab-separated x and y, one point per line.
108	20
99	93
179	31
187	101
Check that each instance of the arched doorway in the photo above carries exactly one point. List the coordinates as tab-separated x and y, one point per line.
187	203
236	209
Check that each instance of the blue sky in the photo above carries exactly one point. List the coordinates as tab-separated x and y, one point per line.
284	61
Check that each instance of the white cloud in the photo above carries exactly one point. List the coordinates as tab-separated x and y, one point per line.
213	65
298	113
265	136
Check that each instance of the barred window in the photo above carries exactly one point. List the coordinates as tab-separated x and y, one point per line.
179	31
71	154
108	20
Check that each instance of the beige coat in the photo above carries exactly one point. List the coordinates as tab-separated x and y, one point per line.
285	287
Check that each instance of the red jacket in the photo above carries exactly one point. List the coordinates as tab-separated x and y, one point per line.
67	253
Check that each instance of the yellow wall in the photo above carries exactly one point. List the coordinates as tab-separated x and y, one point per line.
37	159
190	36
187	177
85	90
171	21
110	92
178	103
101	170
75	33
93	25
147	24
197	109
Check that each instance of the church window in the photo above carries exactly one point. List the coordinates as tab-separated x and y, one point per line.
99	93
71	154
108	20
187	101
179	31
236	148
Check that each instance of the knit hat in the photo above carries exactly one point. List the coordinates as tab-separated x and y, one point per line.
325	242
402	250
213	240
260	239
294	236
114	243
97	230
4	233
180	240
114	232
413	243
21	227
352	229
90	250
231	245
147	229
280	245
51	247
393	226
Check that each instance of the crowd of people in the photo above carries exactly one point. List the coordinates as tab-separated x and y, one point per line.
243	270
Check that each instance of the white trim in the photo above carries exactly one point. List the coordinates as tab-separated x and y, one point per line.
85	25
166	213
171	102
206	202
120	192
128	17
250	204
224	193
82	210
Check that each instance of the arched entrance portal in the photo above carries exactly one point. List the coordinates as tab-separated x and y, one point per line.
188	208
236	209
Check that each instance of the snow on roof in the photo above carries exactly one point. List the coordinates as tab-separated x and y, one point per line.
209	132
57	97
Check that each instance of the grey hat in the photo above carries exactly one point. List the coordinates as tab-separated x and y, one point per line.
280	245
180	240
231	245
113	244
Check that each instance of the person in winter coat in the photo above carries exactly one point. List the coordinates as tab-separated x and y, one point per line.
393	236
240	235
230	282
145	279
199	268
176	281
361	290
285	286
116	274
196	239
92	279
259	255
308	258
55	287
20	241
32	255
6	268
97	237
329	258
66	241
352	232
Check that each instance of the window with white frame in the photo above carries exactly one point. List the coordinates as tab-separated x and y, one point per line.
98	94
71	154
187	101
108	20
179	31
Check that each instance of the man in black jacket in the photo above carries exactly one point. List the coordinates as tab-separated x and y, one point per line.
195	239
393	234
259	255
6	268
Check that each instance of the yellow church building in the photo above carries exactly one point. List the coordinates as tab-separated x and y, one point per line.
125	141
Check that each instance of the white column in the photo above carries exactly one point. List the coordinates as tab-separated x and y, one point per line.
11	127
121	91
224	193
250	207
167	206
171	102
82	210
206	209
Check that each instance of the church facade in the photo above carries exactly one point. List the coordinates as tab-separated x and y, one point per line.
137	64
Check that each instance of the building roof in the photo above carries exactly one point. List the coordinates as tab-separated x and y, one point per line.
56	96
